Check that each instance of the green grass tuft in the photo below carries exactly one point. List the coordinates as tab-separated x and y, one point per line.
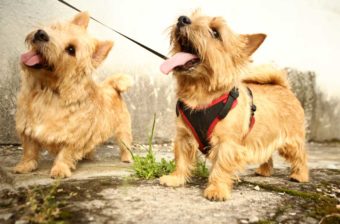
201	169
146	167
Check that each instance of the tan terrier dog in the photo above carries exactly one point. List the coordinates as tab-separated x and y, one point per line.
216	111
60	108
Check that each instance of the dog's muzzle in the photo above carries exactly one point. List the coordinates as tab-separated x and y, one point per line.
183	21
41	36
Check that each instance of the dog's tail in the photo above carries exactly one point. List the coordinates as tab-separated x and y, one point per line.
119	82
266	74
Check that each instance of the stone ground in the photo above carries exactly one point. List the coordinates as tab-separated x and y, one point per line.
104	191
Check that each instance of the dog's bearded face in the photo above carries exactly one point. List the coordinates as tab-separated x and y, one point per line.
204	46
64	49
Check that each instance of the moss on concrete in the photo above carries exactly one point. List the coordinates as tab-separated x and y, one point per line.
308	203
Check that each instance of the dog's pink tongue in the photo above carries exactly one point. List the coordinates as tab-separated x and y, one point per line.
30	58
178	59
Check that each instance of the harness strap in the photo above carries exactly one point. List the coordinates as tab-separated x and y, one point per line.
203	121
252	110
227	107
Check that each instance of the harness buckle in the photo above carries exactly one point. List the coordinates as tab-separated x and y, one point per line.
234	93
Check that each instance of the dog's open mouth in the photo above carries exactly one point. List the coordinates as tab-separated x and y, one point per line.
34	59
184	60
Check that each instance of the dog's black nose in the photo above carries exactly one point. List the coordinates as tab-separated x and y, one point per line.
183	21
41	35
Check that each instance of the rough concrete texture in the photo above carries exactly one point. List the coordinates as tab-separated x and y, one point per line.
303	85
322	113
190	206
152	93
103	191
326	120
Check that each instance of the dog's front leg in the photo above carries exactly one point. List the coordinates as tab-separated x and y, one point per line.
29	161
65	161
185	158
227	158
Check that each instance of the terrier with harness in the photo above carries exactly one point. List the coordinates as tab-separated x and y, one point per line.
215	86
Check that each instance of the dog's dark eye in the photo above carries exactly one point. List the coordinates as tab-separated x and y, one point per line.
71	50
215	33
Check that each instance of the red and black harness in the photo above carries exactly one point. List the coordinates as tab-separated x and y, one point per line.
202	121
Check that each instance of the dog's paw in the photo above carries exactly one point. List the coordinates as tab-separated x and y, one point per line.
301	177
263	172
171	180
60	170
125	156
26	167
89	156
217	193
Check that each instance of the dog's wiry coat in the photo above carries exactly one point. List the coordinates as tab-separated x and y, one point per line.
225	63
60	108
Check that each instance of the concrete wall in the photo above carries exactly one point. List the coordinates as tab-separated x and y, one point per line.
305	38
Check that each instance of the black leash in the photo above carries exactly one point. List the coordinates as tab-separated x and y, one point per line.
136	42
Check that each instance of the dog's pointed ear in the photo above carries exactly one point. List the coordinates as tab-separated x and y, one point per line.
81	19
101	51
253	41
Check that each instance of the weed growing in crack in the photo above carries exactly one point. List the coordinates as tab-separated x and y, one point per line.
43	207
146	167
201	169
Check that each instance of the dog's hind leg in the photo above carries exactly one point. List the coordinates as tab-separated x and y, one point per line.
265	169
185	158
295	153
124	140
123	134
29	161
